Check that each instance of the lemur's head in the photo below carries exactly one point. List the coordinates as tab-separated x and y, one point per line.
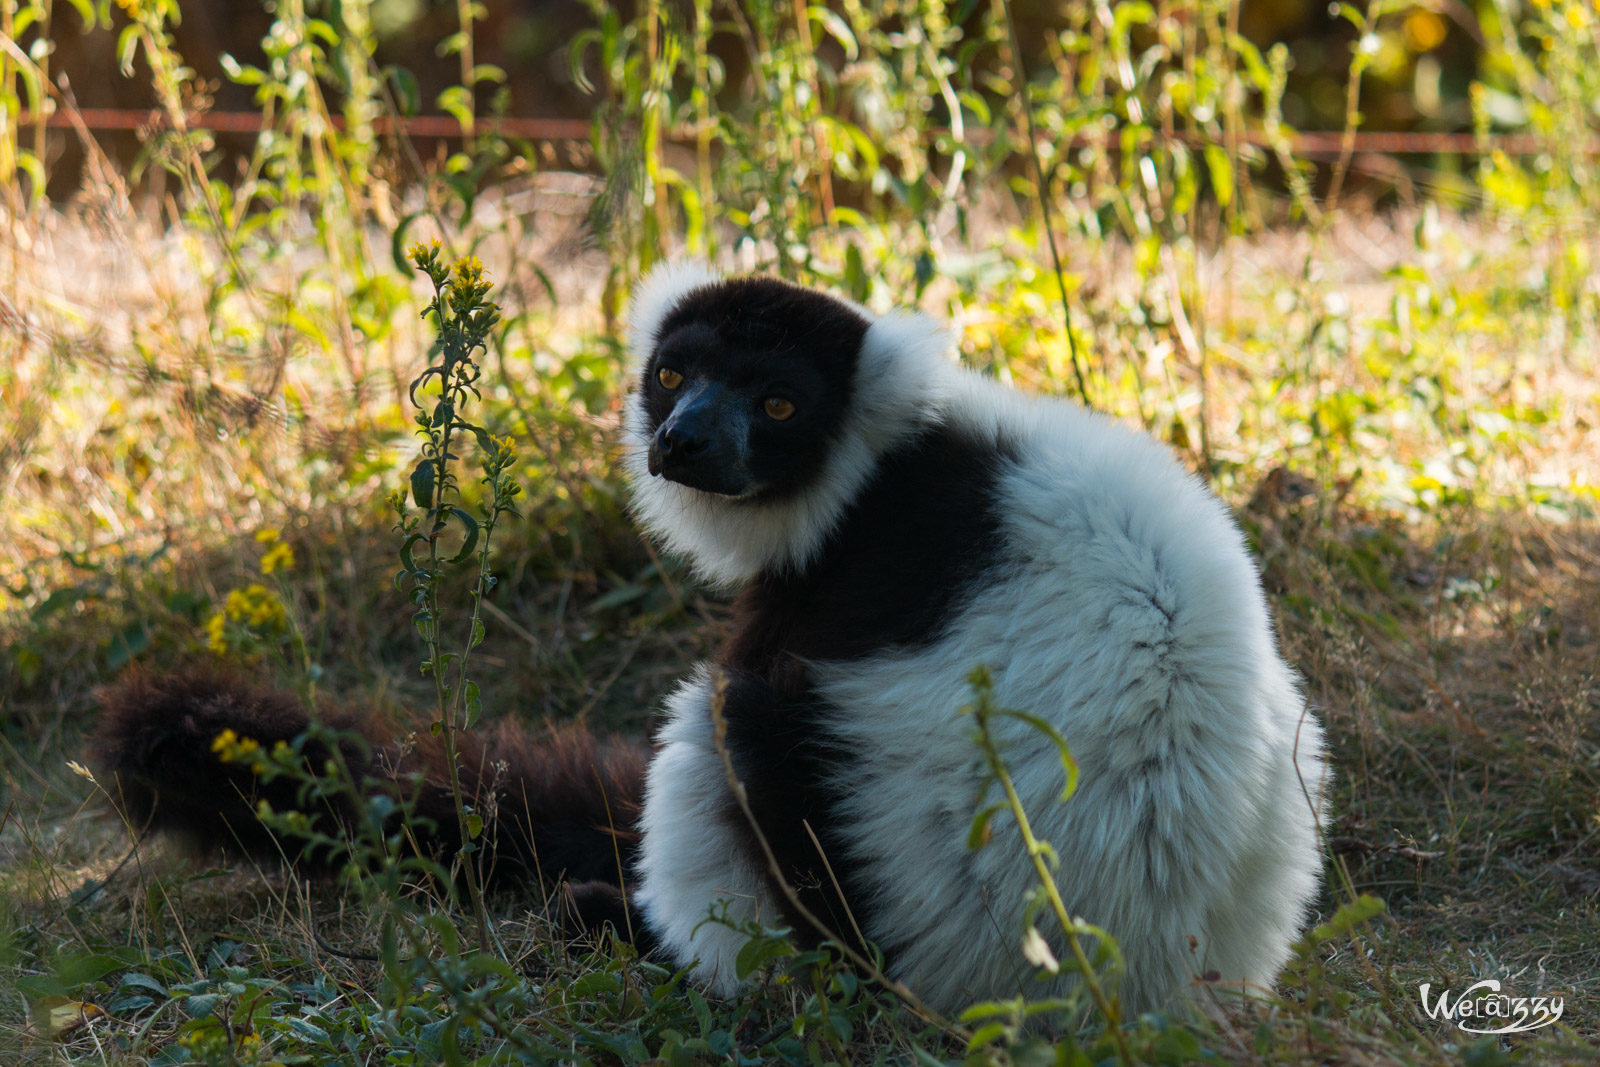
747	385
760	409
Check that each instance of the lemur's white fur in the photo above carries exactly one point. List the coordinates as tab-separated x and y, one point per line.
692	860
1128	613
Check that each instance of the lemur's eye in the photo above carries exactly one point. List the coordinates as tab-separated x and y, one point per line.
777	408
669	378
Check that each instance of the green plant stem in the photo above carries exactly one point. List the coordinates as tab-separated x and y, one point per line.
449	702
1036	853
45	9
1042	192
464	15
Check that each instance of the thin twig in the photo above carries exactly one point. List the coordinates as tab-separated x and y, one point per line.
1020	81
775	869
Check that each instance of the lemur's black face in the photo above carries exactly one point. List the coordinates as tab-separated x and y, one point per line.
748	386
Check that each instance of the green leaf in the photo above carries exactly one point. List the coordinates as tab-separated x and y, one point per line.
595	983
200	1006
836	27
127	645
127	45
471	526
1068	765
759	951
422	479
978	834
407	94
986	1035
856	281
457	102
308	1030
241	73
1348	917
407	557
74	971
142	981
85	9
1221	168
397	244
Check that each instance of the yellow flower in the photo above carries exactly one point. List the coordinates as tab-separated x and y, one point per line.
279	555
501	450
230	747
217	633
255	607
423	252
467	282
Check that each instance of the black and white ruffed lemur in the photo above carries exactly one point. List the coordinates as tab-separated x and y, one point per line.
890	521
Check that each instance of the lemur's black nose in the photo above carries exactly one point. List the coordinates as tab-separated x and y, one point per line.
681	443
699	445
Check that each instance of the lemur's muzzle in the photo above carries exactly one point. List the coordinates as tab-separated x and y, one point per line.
702	442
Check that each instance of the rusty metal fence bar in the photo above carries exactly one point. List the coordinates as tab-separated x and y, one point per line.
1312	143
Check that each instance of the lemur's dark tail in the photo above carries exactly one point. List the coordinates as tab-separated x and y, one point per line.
559	805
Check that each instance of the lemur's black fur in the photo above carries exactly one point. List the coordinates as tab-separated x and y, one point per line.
561	804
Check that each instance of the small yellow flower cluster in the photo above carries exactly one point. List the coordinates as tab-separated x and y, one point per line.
462	279
425	254
468	284
501	450
255	607
217	633
279	555
214	1044
231	748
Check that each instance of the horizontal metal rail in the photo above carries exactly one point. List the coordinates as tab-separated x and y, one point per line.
110	118
1308	143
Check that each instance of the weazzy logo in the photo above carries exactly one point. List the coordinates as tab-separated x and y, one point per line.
1484	1009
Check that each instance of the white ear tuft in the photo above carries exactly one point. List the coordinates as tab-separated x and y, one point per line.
655	297
906	370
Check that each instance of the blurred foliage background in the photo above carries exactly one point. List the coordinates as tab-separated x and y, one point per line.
1421	59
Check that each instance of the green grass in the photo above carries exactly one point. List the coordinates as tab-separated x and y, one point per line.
1402	404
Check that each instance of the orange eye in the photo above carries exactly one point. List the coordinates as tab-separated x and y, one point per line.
669	378
777	408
